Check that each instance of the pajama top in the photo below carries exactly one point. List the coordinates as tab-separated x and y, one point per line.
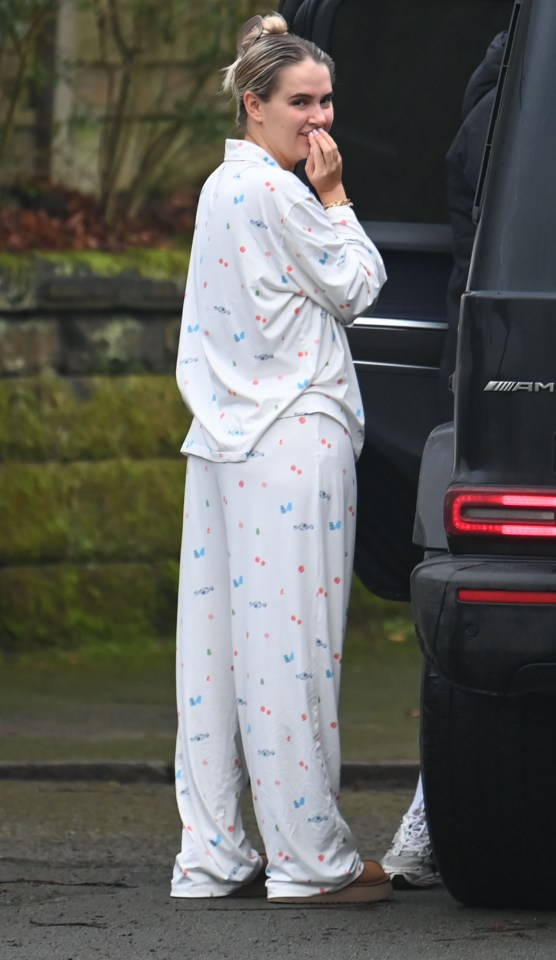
273	278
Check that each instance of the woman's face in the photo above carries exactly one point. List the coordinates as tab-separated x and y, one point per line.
301	102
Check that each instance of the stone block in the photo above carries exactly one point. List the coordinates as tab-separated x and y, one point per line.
125	291
28	346
140	280
117	344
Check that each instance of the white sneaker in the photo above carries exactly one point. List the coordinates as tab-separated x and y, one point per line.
410	857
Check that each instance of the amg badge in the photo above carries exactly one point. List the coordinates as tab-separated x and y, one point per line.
524	386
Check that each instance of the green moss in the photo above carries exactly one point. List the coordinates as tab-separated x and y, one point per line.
111	510
367	606
157	264
82	418
379	624
66	606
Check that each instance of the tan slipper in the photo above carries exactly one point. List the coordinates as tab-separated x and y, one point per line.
371	886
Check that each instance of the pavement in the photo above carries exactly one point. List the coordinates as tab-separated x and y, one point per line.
89	830
88	839
85	872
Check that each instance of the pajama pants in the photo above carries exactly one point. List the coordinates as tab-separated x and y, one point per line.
265	575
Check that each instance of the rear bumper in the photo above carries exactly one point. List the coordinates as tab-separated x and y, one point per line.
495	647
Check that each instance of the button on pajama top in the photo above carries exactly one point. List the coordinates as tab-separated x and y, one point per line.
269	524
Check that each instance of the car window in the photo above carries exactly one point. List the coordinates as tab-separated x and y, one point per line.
402	70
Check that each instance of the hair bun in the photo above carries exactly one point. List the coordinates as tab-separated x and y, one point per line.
273	24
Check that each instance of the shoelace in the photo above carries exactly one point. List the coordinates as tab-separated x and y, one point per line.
413	833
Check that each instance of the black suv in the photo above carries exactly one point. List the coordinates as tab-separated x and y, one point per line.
464	511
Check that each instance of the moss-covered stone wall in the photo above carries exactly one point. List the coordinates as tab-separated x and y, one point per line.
91	478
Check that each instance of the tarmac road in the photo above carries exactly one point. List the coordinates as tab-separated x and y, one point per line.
84	875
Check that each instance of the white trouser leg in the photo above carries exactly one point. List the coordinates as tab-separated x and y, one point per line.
216	858
418	799
289	514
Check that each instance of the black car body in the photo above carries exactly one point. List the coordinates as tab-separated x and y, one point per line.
485	601
483	514
402	68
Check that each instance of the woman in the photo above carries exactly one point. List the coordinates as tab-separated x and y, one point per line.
267	550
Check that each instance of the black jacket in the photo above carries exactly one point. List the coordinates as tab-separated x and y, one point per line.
464	161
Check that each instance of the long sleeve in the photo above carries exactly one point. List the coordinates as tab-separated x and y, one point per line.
273	278
332	258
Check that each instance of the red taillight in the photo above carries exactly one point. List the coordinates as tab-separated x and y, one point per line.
506	596
499	513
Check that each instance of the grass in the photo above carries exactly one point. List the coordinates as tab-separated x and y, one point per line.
116	702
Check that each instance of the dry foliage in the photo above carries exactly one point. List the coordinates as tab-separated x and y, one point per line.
57	218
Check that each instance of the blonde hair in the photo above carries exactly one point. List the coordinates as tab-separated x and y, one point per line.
266	48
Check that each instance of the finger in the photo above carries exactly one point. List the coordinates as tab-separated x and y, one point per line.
327	147
315	149
326	138
321	146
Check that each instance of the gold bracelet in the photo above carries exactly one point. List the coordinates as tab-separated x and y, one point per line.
338	203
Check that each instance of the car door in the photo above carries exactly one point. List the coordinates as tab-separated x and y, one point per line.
402	68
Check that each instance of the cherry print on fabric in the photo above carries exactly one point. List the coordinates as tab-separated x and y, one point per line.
274	262
272	674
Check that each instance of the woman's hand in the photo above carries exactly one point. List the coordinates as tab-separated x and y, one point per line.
324	167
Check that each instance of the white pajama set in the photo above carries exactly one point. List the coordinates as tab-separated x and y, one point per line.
269	527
